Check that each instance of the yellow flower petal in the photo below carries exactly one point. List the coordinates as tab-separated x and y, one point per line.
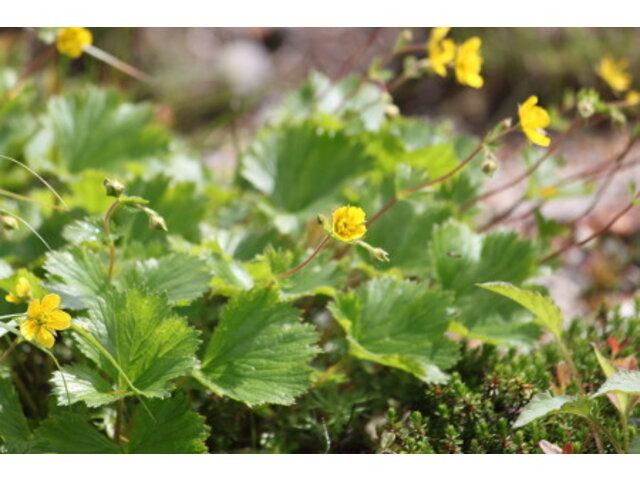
533	119
50	303
11	298
537	137
72	40
35	309
45	338
59	320
348	223
23	289
468	63
29	329
614	72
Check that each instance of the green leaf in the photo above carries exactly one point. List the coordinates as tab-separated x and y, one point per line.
548	315
174	428
404	232
544	404
623	381
297	166
71	432
619	400
151	344
82	384
400	324
95	129
78	276
462	258
260	351
14	428
179	276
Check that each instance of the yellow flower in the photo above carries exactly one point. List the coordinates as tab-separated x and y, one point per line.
348	223
632	97
72	40
469	63
441	50
614	73
43	319
533	120
23	292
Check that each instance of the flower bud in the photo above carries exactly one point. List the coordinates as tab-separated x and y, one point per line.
113	187
156	222
8	223
489	167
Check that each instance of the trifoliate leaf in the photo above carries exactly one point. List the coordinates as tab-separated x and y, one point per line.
400	324
260	351
151	344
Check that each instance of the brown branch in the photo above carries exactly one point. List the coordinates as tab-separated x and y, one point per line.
299	267
604	229
513	182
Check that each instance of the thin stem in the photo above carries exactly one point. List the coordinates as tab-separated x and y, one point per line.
10	349
35	174
28	225
598	427
512	183
111	243
604	229
117	64
313	255
23	198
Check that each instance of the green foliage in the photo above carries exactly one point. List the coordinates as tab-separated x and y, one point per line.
259	352
172	429
300	167
150	344
547	314
14	429
399	324
94	128
624	381
461	259
544	404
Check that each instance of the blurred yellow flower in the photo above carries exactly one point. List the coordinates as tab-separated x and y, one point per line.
533	119
72	40
469	63
614	73
43	319
22	294
348	224
441	50
632	97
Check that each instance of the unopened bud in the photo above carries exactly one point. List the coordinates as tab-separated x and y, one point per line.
489	167
156	222
8	223
113	187
379	254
